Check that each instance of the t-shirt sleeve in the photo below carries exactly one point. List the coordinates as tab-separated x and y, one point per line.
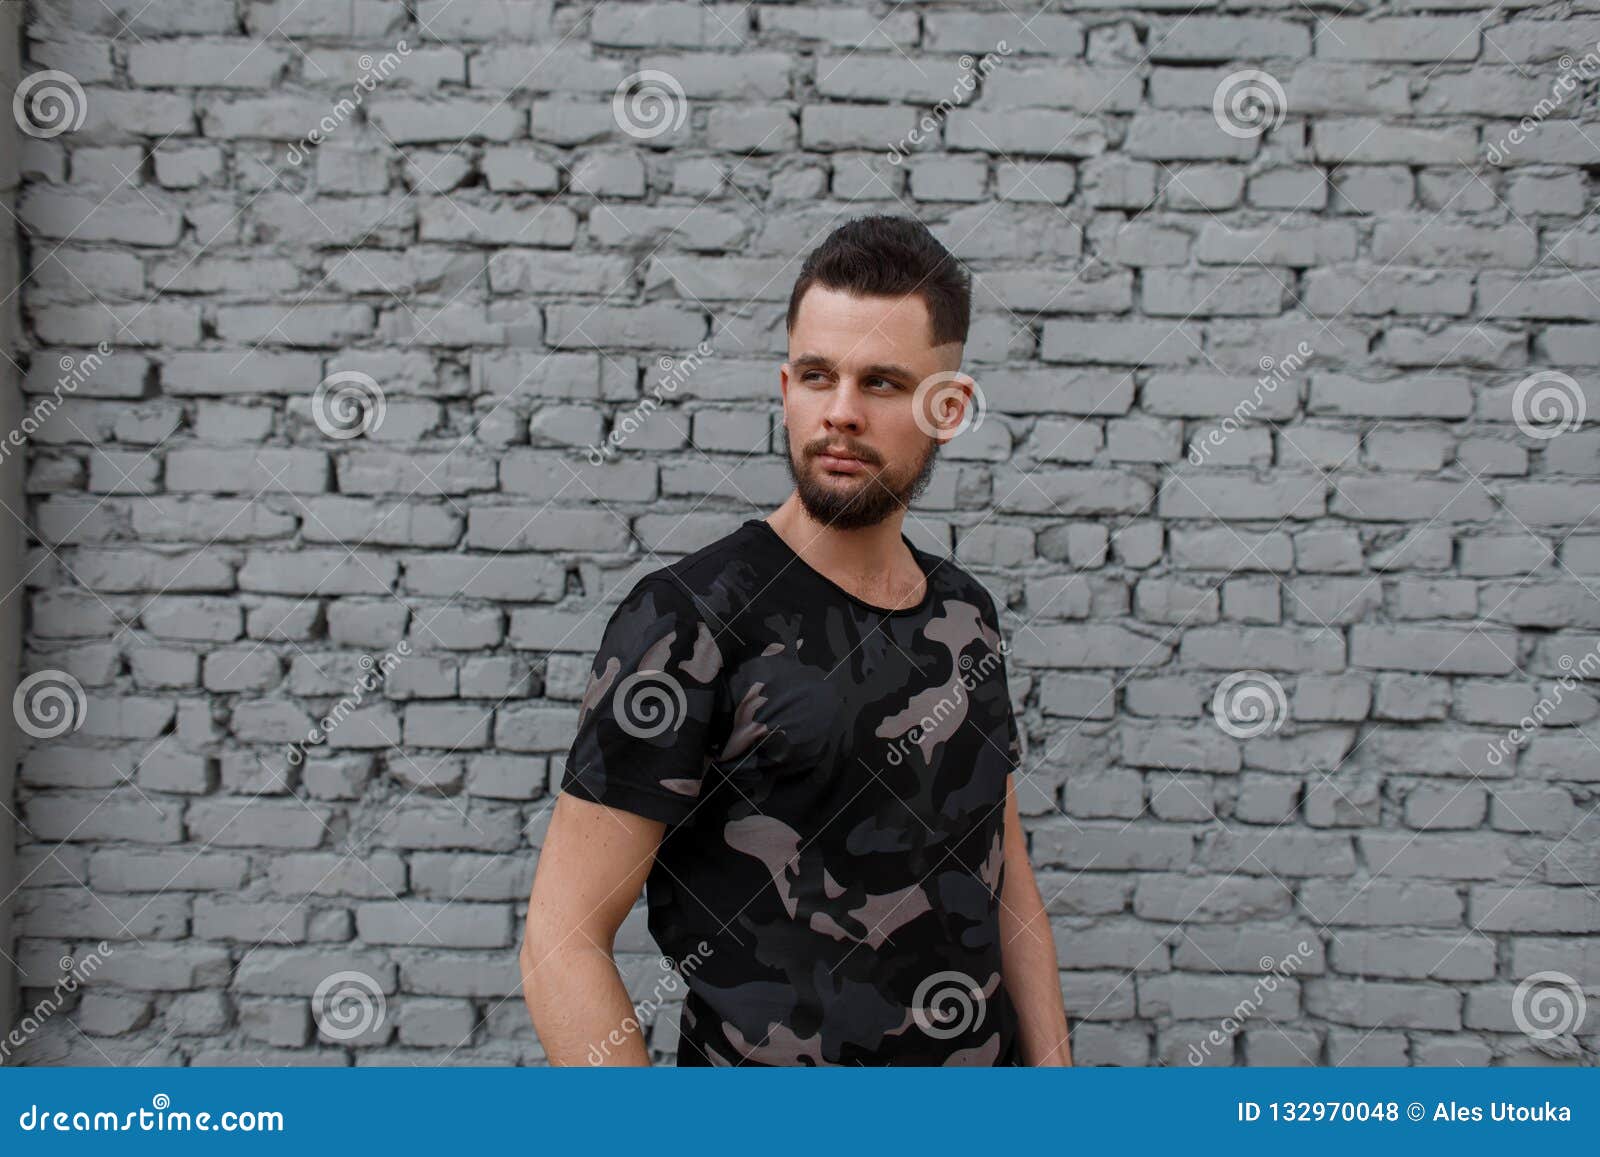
1013	731
1013	735
653	709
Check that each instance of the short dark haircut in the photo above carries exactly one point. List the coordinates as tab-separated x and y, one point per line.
887	256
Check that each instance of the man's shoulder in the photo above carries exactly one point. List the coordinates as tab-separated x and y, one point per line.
709	566
707	582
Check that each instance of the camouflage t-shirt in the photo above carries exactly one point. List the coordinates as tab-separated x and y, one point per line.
833	779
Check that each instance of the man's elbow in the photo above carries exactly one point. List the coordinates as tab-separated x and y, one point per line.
533	956
548	953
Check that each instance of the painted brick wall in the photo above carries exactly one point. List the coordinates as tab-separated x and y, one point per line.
1287	329
14	533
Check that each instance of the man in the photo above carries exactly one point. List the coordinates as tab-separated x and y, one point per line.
799	740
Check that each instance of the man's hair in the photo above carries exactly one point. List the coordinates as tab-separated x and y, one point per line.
886	256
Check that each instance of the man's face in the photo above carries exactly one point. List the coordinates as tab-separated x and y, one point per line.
851	385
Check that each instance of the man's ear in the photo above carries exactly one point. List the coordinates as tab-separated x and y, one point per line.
937	395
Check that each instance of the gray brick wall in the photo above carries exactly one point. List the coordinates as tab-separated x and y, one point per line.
1288	334
12	536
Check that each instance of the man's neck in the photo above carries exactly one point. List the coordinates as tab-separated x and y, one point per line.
871	562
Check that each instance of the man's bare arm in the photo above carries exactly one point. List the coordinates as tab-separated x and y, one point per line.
1028	951
594	863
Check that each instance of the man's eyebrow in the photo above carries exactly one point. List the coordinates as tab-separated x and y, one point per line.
882	369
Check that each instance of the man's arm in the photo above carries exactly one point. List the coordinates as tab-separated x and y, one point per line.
595	861
1028	951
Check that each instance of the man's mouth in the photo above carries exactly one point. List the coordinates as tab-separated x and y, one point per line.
841	461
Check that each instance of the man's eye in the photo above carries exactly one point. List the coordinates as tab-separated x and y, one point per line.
876	382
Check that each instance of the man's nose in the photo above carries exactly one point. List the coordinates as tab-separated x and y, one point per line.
844	406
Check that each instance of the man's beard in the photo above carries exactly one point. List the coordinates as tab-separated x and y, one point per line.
866	498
